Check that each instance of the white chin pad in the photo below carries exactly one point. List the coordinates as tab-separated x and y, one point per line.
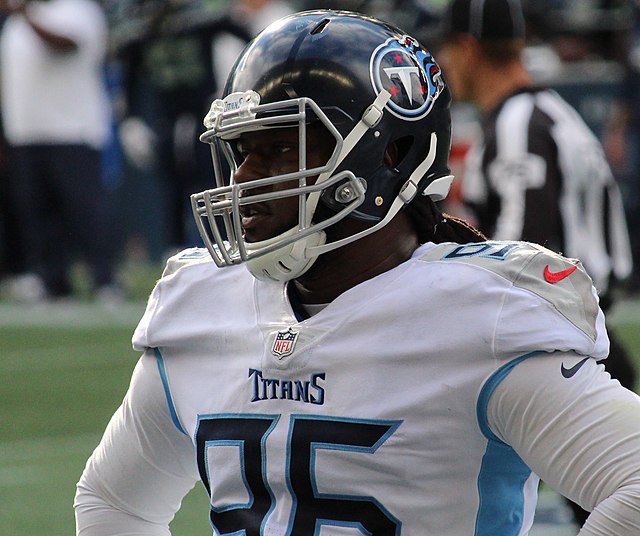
287	262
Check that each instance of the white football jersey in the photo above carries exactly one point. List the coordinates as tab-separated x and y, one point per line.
372	416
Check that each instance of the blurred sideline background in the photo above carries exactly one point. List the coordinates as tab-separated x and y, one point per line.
168	59
65	364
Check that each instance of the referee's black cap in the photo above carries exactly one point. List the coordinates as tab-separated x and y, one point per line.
485	19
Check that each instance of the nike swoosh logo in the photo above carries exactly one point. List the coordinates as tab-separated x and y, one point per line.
570	372
554	277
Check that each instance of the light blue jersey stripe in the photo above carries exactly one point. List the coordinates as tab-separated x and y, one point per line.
167	391
503	474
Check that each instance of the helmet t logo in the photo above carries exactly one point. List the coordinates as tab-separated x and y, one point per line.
409	73
404	74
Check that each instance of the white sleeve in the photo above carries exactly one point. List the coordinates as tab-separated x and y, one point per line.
135	480
580	434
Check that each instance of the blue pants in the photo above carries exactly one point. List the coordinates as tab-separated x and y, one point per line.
62	211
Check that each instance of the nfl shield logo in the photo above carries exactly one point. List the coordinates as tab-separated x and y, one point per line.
285	343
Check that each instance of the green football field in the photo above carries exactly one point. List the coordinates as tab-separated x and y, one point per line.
63	371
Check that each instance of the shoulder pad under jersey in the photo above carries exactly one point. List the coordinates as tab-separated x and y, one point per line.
558	280
184	258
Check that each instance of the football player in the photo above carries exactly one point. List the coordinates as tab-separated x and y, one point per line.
343	358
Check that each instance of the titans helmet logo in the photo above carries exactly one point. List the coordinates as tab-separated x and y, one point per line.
409	73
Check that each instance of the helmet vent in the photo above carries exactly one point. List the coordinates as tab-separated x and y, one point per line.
320	27
403	146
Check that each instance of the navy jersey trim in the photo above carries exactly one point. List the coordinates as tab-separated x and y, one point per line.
167	391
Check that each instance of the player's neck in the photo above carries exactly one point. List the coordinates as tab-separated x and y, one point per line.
337	271
494	84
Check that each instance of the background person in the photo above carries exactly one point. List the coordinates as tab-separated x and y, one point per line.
175	57
538	173
621	138
56	119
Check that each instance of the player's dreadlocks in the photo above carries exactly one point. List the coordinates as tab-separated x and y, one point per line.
435	226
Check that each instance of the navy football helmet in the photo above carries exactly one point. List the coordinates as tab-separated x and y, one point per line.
370	85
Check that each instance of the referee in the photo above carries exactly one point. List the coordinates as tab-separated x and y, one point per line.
538	174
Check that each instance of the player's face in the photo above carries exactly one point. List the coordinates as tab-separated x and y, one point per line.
270	153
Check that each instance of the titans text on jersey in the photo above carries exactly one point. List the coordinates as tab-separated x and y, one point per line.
309	391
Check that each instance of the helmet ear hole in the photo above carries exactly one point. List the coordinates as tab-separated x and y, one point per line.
396	151
390	157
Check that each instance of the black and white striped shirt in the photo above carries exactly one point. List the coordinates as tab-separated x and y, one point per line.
541	175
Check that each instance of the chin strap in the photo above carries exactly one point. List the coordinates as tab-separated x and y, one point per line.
404	197
370	118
